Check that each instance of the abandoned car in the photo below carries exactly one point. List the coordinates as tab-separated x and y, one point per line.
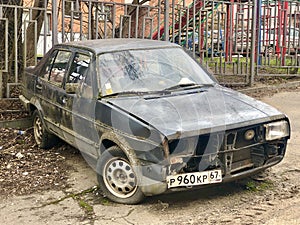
150	117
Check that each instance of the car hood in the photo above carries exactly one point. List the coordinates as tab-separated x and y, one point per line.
196	112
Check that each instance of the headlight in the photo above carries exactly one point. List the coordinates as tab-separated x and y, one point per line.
277	130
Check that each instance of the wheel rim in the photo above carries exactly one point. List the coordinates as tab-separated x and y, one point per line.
119	178
38	130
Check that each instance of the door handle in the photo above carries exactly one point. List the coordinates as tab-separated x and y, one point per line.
64	100
38	86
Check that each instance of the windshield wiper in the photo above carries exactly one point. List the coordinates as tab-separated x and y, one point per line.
137	93
186	86
126	93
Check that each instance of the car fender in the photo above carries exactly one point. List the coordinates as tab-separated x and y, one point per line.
120	141
148	185
34	101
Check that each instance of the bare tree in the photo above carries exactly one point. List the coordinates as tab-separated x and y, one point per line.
31	40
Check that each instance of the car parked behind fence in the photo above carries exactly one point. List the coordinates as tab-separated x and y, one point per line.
211	42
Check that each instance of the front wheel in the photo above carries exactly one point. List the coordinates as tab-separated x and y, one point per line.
117	178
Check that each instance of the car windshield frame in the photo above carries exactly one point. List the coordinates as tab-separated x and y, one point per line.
149	71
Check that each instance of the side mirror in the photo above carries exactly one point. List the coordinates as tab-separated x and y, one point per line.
71	88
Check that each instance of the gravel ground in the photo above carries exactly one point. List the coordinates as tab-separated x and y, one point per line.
25	169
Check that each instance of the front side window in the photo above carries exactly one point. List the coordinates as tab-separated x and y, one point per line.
148	70
58	68
79	68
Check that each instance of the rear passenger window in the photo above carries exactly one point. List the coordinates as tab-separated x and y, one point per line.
48	66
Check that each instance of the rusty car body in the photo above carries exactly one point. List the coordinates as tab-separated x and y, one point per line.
151	118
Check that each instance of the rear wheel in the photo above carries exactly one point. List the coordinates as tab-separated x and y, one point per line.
117	177
42	137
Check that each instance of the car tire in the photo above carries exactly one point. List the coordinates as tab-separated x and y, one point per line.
42	137
117	178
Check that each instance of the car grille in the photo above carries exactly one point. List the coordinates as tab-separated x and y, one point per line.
229	150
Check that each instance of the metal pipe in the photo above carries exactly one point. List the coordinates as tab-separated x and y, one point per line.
114	21
166	20
158	21
187	27
62	21
137	21
194	26
54	23
45	27
72	22
81	25
253	40
180	24
90	21
35	42
16	44
97	21
173	21
6	46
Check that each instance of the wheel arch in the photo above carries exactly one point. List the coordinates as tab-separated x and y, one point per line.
35	105
32	108
110	139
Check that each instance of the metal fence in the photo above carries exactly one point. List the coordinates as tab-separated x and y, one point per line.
239	41
16	23
219	33
98	20
278	38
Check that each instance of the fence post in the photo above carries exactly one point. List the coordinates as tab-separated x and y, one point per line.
253	42
54	22
166	20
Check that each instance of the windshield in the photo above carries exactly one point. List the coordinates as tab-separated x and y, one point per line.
148	70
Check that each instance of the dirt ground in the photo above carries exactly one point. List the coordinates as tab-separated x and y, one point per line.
58	187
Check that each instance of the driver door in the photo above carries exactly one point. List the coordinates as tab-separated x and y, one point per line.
79	104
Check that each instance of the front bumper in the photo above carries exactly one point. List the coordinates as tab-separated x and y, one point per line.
154	175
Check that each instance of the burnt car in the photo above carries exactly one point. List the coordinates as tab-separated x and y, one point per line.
149	118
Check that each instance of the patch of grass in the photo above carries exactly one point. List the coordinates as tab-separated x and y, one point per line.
105	201
269	65
86	206
255	186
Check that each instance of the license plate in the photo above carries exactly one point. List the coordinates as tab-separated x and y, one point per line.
193	179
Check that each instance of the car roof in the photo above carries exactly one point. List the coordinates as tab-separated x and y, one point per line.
118	44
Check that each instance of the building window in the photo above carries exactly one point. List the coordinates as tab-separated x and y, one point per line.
70	6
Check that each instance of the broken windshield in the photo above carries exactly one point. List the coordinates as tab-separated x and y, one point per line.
148	70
